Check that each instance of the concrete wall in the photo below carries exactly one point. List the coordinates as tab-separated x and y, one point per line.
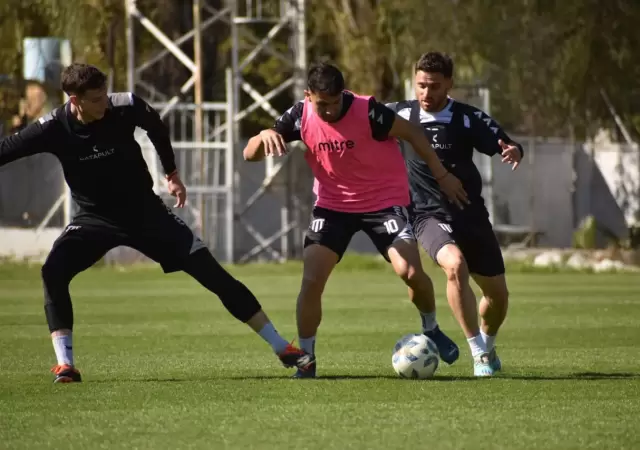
559	185
538	193
28	188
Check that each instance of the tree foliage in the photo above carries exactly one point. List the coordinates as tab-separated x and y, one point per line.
546	63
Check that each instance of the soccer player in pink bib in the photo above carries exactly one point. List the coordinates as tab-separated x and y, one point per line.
361	184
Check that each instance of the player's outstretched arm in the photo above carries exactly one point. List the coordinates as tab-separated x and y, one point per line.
273	140
491	139
254	150
450	185
35	138
267	143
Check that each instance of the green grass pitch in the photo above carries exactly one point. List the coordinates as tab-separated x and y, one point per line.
166	367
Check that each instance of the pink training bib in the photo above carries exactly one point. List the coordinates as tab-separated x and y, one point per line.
353	172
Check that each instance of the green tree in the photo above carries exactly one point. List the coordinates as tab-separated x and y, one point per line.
545	62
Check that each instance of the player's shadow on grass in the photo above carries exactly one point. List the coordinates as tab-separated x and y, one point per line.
592	376
506	376
576	376
449	378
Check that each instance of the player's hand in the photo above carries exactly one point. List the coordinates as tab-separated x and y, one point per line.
510	154
453	189
273	143
177	190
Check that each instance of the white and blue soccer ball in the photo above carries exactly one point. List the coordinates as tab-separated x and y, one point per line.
415	356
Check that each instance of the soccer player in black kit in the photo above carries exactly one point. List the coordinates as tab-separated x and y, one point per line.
92	136
461	241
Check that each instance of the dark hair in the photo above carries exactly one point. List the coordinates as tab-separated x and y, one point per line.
325	78
435	62
78	78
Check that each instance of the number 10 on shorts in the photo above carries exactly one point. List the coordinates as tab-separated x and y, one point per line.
391	226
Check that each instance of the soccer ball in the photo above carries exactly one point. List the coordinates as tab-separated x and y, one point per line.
415	356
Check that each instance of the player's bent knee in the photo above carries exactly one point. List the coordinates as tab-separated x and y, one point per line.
413	275
405	259
312	288
499	296
404	271
319	262
314	279
457	269
453	263
49	272
416	279
54	273
407	272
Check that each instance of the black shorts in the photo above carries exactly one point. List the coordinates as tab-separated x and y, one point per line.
475	239
334	230
153	230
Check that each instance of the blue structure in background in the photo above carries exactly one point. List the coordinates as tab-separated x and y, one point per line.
44	59
32	190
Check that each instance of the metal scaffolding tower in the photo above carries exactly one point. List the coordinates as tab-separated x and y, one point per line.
207	135
285	178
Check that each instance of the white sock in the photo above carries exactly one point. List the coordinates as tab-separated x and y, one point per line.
308	344
271	336
489	341
428	321
64	349
477	345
